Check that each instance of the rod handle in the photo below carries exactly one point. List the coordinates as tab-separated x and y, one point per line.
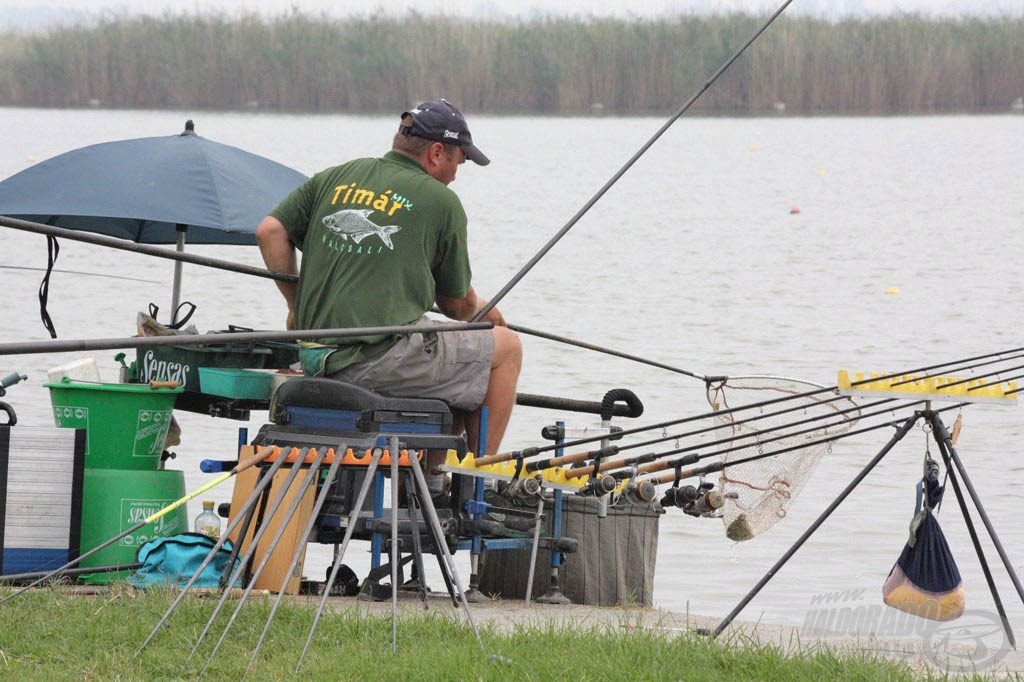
620	463
670	476
656	465
260	455
572	458
163	384
493	459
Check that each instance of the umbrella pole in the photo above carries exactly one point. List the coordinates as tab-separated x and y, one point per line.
176	289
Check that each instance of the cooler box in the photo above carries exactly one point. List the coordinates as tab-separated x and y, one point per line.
126	424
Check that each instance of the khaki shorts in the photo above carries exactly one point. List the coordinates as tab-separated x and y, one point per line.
451	366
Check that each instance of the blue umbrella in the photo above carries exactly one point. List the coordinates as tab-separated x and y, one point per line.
153	190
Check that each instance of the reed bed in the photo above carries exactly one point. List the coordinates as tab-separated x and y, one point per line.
303	62
51	635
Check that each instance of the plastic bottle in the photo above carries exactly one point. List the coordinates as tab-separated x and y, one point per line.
208	523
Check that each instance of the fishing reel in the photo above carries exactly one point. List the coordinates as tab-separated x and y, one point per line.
599	486
640	492
521	488
700	500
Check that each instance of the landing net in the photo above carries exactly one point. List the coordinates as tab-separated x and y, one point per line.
758	493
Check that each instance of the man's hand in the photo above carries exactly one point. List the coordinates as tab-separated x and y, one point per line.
493	315
466	308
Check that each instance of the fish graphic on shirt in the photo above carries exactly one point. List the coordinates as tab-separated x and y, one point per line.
352	223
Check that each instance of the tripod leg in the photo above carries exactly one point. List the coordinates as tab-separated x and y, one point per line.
536	545
395	553
940	431
897	437
944	448
439	540
417	545
349	531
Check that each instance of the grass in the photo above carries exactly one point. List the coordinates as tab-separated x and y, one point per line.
52	634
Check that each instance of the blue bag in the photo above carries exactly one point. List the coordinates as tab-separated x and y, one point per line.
171	561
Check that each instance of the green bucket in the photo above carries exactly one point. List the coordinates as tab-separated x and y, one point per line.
113	501
126	424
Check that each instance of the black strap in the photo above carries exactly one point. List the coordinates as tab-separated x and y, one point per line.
519	468
154	310
180	322
52	251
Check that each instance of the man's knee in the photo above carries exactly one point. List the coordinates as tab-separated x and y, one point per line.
508	349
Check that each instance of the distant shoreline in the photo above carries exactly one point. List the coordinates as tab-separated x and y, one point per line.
302	63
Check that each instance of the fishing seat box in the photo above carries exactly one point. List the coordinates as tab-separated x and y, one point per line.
336	407
324	413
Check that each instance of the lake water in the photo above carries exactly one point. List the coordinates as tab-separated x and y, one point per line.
693	259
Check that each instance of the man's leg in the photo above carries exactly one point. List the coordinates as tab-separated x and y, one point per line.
501	389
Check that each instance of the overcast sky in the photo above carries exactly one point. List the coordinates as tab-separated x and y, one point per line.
12	10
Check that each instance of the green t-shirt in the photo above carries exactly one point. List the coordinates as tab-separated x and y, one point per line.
380	239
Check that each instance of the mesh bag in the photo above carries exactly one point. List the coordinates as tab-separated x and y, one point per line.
758	493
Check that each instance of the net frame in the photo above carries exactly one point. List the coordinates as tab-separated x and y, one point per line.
758	494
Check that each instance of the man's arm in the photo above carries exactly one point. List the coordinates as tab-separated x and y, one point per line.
279	256
466	307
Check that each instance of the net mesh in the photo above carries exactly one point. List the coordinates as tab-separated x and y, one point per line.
759	493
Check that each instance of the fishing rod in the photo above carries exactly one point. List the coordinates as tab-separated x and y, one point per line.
300	551
610	450
956	365
145	249
719	466
658	463
113	568
222	338
645	460
600	349
629	164
81	272
607	351
313	473
526	453
653	461
975	377
959	364
239	518
238	468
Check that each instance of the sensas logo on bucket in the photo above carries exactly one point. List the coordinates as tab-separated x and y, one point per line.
135	511
151	432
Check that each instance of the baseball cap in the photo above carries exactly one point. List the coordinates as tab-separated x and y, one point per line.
439	120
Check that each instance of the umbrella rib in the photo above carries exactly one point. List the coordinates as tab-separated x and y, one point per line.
214	180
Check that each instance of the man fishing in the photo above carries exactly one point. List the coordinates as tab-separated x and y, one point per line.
383	240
